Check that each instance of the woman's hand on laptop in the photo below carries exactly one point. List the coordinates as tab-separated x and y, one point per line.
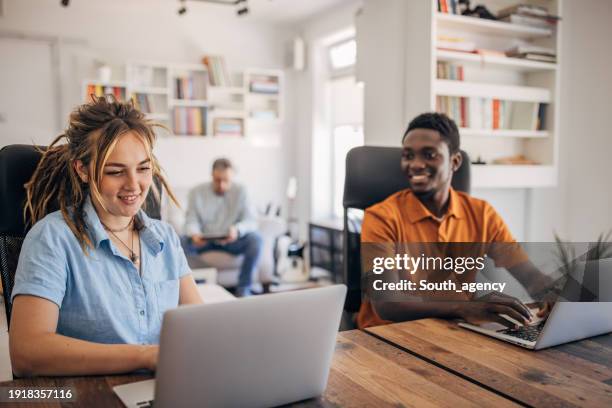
149	355
488	308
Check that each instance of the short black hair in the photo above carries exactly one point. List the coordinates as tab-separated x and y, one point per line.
222	164
439	122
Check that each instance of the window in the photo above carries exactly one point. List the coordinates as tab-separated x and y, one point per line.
346	132
342	57
337	124
345	137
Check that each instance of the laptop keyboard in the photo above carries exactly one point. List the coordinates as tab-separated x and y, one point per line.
529	333
145	404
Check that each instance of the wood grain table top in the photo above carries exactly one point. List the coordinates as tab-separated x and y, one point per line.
576	374
365	372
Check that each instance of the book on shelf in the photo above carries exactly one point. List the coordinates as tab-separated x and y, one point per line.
529	15
490	53
533	52
266	114
455	44
528	21
100	90
191	87
536	57
228	127
529	9
492	113
189	121
515	160
142	102
264	84
448	6
446	70
219	75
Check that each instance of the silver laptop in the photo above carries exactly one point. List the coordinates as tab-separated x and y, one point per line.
259	351
567	321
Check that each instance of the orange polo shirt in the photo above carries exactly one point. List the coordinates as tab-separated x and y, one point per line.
402	218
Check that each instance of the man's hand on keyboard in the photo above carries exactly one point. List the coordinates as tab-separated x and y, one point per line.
488	308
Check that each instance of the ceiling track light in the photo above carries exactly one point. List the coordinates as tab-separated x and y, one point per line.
242	10
182	8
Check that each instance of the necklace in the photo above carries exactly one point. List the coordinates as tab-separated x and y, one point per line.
133	257
120	229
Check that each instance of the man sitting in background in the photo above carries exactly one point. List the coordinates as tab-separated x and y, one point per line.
219	217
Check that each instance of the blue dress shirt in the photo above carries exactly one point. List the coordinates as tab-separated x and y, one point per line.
102	296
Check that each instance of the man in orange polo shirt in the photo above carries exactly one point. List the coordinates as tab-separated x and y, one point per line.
431	211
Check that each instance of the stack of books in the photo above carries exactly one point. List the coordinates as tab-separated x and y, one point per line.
228	127
533	52
264	84
190	87
218	74
529	15
488	113
446	70
455	44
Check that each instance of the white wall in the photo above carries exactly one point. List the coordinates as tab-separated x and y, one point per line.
311	166
581	207
115	31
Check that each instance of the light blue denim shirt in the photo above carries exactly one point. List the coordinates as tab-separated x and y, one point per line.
101	295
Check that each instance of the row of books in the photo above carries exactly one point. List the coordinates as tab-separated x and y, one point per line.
218	73
99	90
228	127
446	70
191	87
529	15
265	84
142	102
189	121
488	113
448	6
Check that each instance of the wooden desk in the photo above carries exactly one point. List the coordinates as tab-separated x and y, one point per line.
576	374
365	372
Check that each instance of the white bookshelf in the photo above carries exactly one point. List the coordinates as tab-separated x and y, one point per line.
264	105
494	61
160	94
189	102
486	90
487	27
507	133
489	75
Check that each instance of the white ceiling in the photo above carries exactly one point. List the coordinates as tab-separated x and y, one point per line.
281	11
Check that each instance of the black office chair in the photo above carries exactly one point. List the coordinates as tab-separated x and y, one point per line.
373	173
17	164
